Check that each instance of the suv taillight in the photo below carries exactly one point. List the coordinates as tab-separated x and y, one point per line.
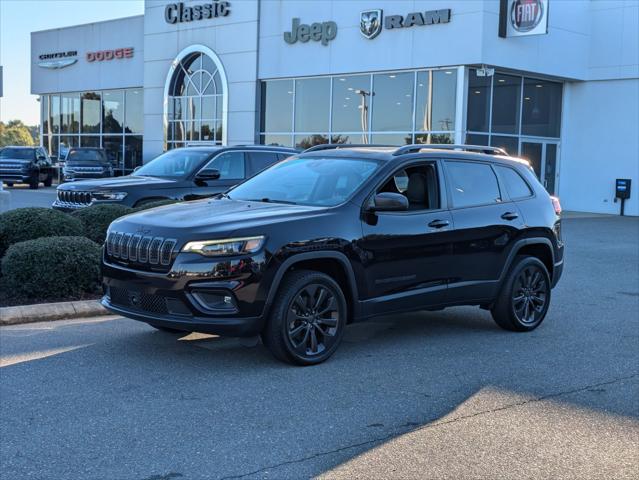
555	203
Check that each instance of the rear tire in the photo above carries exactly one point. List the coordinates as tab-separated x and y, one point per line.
9	184
524	298
307	319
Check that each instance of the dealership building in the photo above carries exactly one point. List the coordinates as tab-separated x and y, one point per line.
553	81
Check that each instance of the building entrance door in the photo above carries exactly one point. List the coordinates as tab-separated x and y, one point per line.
543	157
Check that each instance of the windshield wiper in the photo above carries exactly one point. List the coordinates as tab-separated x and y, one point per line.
270	200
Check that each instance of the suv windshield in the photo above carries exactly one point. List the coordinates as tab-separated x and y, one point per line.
307	181
86	156
174	163
17	153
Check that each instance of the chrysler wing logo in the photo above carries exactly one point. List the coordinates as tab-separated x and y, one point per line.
370	23
58	63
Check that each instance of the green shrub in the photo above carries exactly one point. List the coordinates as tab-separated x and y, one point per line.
157	203
30	223
51	268
97	218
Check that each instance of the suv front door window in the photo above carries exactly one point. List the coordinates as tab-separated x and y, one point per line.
231	166
408	250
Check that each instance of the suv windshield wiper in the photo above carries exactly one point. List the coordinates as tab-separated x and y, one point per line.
270	200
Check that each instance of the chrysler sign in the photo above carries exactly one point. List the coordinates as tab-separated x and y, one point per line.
58	59
518	18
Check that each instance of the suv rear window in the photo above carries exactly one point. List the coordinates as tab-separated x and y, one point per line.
472	184
515	185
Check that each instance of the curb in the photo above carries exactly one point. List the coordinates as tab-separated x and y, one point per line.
45	312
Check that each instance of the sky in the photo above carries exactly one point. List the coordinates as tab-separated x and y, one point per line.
18	18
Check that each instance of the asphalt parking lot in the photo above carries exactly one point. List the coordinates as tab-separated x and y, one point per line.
426	395
21	196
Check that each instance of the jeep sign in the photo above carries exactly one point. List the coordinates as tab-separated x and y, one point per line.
518	18
319	32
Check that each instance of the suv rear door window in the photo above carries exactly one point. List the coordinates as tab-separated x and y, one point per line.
515	185
472	184
258	161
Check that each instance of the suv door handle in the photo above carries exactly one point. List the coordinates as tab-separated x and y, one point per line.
439	223
510	216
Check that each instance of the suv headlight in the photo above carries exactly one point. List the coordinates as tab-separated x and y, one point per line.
227	246
108	195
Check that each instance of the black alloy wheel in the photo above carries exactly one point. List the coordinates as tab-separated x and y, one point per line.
524	299
307	320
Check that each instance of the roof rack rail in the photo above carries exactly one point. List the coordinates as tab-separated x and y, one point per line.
335	146
447	146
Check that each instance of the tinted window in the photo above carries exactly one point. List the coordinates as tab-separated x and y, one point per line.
308	181
506	100
478	101
277	106
515	185
86	155
134	116
312	102
229	164
90	112
472	184
260	160
113	111
437	87
18	153
174	163
349	97
541	114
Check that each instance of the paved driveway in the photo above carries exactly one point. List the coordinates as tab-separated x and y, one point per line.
21	196
426	395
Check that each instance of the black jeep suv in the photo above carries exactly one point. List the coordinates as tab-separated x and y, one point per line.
339	234
182	174
29	165
83	162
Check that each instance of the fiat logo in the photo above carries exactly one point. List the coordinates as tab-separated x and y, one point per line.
525	15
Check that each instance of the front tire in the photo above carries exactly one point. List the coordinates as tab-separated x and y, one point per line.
524	297
34	181
307	319
49	180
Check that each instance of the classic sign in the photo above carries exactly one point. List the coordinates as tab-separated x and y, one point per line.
178	12
58	59
370	24
117	54
319	32
518	18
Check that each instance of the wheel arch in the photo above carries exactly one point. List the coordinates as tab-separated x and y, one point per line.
538	247
145	200
334	264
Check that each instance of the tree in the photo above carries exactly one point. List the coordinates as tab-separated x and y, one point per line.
15	133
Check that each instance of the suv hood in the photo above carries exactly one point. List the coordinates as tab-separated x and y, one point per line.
114	184
210	218
14	162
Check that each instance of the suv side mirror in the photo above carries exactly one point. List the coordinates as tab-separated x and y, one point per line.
390	202
207	174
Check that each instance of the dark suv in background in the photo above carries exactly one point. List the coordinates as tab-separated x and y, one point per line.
82	163
336	235
29	165
182	174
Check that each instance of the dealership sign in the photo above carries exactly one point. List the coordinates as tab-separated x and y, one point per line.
179	13
58	59
518	18
104	55
371	22
319	32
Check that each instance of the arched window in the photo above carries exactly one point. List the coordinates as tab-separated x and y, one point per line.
195	95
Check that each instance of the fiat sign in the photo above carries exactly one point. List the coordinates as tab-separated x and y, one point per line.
519	18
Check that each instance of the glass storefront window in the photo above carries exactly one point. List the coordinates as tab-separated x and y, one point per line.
541	115
132	152
279	140
312	103
44	114
351	103
436	99
114	147
506	100
92	141
392	138
134	111
476	139
307	141
70	109
393	102
90	112
54	113
66	142
510	144
277	106
478	102
426	138
113	111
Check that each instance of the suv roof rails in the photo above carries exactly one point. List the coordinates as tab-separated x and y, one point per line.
447	146
335	146
202	144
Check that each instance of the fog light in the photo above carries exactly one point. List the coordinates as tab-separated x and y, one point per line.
215	301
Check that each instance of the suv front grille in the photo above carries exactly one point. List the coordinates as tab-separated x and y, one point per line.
73	197
134	300
143	250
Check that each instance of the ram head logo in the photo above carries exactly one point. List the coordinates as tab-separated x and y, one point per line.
370	23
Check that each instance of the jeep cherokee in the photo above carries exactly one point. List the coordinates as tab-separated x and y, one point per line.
339	234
